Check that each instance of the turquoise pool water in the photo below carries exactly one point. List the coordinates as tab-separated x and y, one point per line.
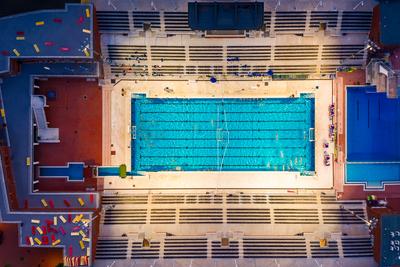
103	171
272	134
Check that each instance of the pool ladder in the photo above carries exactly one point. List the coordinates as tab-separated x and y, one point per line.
311	134
133	132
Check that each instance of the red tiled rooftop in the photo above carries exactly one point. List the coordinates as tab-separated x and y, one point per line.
77	112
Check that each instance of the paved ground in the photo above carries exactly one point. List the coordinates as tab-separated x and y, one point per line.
121	137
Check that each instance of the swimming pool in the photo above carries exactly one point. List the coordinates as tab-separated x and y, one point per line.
270	134
373	137
73	171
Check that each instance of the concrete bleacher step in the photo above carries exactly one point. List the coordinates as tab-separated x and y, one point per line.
255	213
195	247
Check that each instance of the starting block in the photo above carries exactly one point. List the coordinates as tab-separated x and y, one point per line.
44	203
55	243
81	202
39	230
87	12
35	221
20	38
36	47
74	233
18	54
31	241
85	239
55	220
86	31
39	23
37	240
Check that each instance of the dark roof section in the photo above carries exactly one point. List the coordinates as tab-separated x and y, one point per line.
389	22
12	7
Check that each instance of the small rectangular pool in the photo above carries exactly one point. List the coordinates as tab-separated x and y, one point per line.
73	171
373	137
272	134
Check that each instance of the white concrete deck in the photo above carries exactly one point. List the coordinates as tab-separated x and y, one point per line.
120	133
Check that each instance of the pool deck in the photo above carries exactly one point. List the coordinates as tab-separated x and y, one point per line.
77	113
118	143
